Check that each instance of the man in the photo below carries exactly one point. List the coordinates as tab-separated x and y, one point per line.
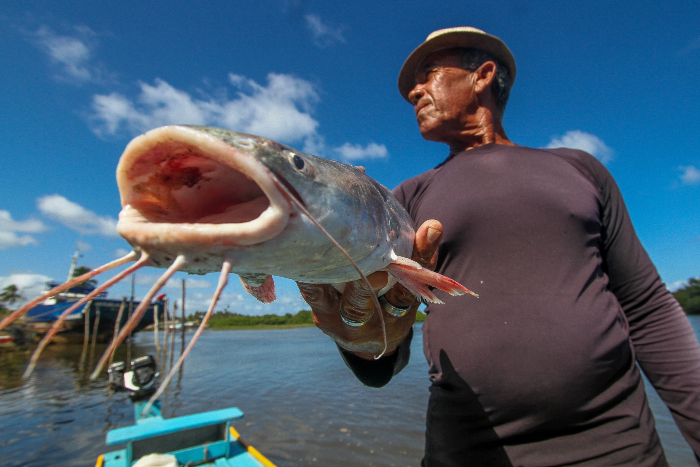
540	370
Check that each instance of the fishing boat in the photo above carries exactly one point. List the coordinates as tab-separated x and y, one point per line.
101	313
99	316
202	439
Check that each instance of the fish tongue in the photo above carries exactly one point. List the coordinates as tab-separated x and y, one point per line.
238	213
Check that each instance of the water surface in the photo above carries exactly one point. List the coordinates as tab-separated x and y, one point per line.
302	405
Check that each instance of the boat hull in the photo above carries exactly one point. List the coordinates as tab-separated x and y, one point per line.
102	312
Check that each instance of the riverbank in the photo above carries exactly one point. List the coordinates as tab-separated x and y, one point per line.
225	320
262	327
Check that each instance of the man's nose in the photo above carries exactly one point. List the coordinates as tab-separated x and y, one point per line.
416	93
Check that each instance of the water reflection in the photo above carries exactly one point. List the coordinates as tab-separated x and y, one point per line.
302	406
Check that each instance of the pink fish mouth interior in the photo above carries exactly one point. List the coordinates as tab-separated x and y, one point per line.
181	185
187	187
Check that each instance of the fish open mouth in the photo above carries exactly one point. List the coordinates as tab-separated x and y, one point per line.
180	185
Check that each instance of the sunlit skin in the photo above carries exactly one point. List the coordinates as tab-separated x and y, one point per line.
453	106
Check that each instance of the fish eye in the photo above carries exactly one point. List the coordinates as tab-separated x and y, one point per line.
299	163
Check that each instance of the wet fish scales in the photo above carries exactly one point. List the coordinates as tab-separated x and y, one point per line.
202	199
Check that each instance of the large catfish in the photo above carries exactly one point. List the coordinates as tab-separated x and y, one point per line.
200	199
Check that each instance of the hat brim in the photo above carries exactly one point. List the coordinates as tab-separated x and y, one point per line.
449	39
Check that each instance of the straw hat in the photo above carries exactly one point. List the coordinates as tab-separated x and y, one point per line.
449	38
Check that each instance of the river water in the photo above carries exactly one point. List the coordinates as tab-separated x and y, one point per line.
302	405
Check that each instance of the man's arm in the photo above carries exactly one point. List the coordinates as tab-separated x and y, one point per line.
664	342
361	344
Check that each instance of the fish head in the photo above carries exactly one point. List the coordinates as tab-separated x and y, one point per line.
193	191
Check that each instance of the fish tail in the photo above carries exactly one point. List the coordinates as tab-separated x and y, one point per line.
417	279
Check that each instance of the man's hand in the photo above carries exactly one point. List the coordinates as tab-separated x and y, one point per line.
356	301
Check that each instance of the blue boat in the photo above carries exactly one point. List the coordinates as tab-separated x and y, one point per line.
202	439
40	318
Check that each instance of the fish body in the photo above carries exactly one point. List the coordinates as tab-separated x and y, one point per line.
212	194
201	199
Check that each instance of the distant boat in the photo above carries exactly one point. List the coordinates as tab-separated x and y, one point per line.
40	318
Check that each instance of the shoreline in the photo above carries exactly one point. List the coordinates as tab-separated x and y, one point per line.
261	327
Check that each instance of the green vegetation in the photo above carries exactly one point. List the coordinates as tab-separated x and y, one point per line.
80	270
228	320
9	296
689	297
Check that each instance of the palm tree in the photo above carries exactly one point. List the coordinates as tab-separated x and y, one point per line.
80	270
10	295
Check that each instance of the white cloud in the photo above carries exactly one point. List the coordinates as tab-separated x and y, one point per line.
190	283
71	53
323	34
280	110
9	228
29	285
83	246
11	240
76	217
577	139
245	304
690	175
200	292
30	225
676	286
355	152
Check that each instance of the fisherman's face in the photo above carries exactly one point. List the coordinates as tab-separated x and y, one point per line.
443	96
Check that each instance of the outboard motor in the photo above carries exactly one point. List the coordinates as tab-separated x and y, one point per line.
139	377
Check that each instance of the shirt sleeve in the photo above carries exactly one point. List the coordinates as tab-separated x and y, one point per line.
664	342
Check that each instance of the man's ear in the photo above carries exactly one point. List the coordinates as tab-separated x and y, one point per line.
485	75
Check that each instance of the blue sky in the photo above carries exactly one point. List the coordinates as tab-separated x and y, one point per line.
80	79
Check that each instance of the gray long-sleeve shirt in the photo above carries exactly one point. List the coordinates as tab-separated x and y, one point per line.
540	370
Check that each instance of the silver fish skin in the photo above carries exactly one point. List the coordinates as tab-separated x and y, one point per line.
211	195
201	199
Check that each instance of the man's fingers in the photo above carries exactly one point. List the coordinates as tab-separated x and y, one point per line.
428	238
399	296
357	303
322	298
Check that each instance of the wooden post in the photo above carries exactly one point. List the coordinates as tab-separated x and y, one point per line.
155	326
95	328
131	310
86	335
166	320
183	310
117	324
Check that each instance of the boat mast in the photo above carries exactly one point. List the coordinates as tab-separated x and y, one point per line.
74	262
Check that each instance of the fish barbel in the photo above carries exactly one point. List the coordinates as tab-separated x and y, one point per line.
200	199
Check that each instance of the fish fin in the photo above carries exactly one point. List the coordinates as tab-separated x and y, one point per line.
417	279
260	286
